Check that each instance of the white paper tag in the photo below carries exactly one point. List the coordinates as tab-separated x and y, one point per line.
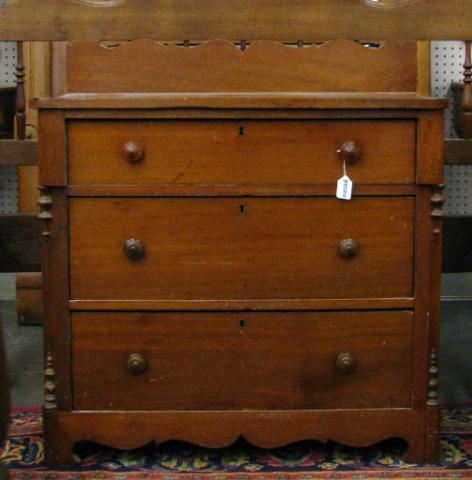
344	190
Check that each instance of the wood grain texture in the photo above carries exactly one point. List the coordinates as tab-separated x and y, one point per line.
29	304
240	152
37	68
423	232
235	111
251	190
423	68
37	63
251	100
240	305
291	358
55	271
52	149
430	148
233	272
221	66
247	254
267	429
248	19
433	419
18	152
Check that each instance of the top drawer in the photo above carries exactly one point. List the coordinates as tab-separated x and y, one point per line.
230	152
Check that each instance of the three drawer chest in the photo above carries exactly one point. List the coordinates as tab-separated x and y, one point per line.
203	282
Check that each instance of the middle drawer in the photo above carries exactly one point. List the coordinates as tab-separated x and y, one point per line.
241	248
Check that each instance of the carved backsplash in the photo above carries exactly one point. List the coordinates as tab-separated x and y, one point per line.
235	66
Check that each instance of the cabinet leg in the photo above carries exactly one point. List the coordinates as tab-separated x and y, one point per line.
431	443
59	453
58	446
416	452
432	448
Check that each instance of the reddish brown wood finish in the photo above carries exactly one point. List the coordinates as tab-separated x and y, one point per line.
433	411
243	305
270	361
52	154
252	190
262	66
430	148
275	222
260	248
240	152
244	101
55	271
248	19
216	429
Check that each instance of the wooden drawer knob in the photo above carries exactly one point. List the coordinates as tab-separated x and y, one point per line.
350	152
345	362
348	248
134	249
137	364
133	152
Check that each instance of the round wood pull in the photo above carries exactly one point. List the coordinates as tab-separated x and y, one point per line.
350	152
134	249
348	248
133	152
345	362
137	364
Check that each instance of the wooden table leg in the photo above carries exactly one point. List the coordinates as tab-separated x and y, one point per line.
4	401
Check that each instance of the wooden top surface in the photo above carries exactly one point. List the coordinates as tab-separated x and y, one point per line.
288	100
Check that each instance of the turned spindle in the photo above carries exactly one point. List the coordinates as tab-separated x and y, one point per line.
20	104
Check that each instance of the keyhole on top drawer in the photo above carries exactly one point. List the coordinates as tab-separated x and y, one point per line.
241	131
242	208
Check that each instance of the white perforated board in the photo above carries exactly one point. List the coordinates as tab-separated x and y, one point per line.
9	192
447	60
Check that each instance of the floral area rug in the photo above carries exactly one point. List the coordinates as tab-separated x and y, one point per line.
23	455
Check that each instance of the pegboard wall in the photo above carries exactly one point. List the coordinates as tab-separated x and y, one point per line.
9	192
447	60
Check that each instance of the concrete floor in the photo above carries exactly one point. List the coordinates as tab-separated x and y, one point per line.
24	345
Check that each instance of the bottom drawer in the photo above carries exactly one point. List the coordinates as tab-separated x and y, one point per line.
207	361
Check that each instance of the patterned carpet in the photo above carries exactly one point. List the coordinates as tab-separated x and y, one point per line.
23	454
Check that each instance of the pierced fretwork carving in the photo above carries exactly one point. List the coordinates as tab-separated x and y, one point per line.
433	373
437	213
50	402
45	204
